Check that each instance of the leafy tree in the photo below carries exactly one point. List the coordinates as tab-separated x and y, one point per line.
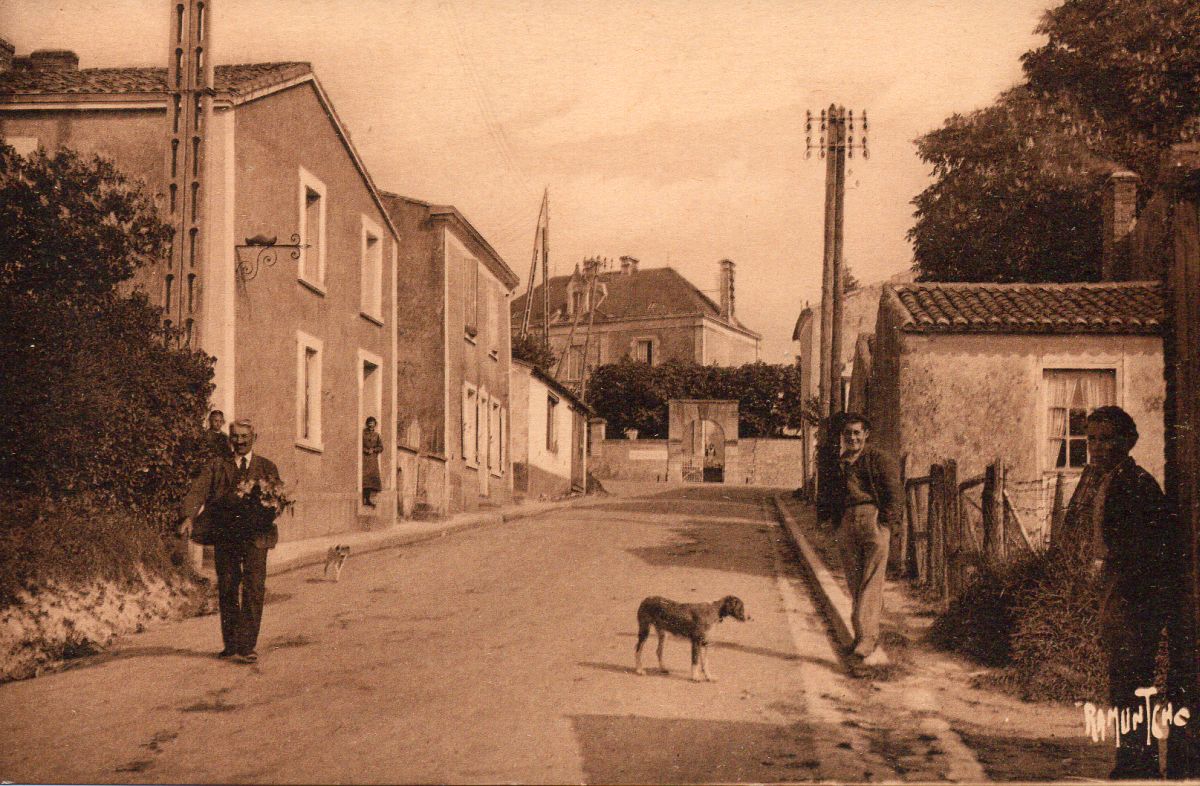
1015	197
533	350
630	394
1017	185
98	405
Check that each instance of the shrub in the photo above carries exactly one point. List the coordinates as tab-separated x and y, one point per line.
104	412
1039	616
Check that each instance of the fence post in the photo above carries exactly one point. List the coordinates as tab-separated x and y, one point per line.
934	546
1056	512
952	509
899	556
993	511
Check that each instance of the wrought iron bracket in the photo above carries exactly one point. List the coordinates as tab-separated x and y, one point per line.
262	251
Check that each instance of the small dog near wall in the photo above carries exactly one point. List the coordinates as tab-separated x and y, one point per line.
688	620
336	556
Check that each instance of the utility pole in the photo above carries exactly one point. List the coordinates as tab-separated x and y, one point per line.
189	107
538	239
836	142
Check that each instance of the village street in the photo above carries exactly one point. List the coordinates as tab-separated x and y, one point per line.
503	653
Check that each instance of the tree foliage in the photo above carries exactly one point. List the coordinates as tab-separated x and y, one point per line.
633	395
1016	192
533	350
99	403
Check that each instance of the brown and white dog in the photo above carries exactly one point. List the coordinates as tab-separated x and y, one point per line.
688	620
336	557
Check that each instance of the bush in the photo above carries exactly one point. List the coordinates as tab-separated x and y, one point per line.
1039	616
104	411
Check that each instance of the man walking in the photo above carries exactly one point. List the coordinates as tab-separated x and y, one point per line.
862	497
1118	522
239	544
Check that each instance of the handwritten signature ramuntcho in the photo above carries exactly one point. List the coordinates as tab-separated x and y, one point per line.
1158	718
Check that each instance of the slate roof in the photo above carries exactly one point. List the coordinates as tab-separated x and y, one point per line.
1110	307
230	80
650	292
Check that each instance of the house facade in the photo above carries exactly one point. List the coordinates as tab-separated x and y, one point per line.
651	315
549	432
977	372
453	362
303	333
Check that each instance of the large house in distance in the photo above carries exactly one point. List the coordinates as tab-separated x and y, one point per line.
651	315
452	372
305	344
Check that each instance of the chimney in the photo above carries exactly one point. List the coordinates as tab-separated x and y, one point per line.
6	55
1118	210
629	266
54	60
727	267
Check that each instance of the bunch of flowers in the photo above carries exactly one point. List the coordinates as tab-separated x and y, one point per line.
264	499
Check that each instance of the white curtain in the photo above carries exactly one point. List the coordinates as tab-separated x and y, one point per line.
1073	389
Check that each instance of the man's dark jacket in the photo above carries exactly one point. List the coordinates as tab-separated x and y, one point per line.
877	473
215	488
1136	529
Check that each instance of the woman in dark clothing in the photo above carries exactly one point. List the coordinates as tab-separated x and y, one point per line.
372	447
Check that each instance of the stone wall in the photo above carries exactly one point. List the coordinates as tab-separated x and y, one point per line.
764	462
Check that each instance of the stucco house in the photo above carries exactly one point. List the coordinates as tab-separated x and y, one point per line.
549	434
305	342
976	372
452	371
651	315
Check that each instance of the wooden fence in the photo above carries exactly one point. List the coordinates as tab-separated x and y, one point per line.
952	527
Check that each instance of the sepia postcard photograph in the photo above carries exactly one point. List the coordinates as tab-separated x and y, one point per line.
635	392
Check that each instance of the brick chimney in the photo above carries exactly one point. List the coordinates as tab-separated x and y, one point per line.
54	60
727	267
1118	210
629	266
6	55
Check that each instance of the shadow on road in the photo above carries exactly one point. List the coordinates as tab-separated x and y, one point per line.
628	749
713	545
1024	759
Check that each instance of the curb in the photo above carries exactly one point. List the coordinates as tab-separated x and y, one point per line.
829	592
379	540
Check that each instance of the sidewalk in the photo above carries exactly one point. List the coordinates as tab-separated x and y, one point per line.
294	554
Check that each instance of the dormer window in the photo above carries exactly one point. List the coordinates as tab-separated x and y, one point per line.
578	300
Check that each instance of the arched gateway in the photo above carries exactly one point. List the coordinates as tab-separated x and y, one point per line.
702	440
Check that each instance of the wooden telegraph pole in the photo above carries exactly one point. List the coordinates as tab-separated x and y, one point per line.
836	142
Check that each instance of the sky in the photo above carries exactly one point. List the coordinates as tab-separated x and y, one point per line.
671	131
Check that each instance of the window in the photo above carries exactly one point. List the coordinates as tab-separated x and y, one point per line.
575	362
470	425
493	322
471	296
312	231
552	423
494	439
308	392
372	270
1070	396
503	438
577	299
643	351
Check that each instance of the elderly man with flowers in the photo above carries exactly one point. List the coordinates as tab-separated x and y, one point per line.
232	506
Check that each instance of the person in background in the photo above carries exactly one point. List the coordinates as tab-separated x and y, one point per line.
1118	523
372	446
218	441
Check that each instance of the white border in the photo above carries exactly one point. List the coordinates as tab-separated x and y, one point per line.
305	342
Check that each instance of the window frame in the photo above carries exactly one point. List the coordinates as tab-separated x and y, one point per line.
310	404
552	404
310	182
1112	366
469	430
371	268
652	341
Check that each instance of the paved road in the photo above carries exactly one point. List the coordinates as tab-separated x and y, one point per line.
503	653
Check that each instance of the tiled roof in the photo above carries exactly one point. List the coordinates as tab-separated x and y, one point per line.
232	80
650	292
1110	307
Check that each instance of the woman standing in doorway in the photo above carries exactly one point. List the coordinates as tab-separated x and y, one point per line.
372	446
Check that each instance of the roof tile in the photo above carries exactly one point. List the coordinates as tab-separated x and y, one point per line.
1109	307
234	80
